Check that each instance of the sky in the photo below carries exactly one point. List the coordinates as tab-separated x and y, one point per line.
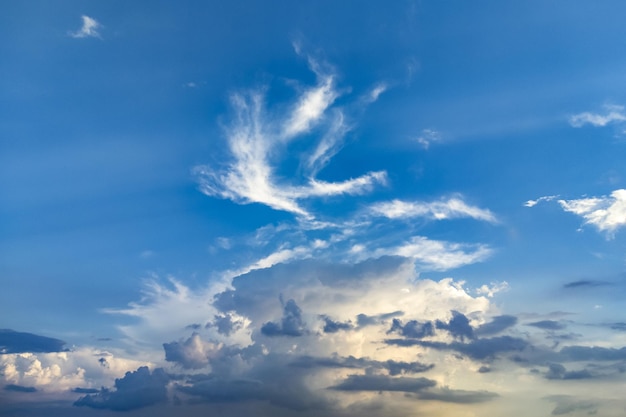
358	208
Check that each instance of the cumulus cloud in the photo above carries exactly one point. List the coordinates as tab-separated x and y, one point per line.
192	353
290	325
90	28
451	208
612	114
135	390
606	213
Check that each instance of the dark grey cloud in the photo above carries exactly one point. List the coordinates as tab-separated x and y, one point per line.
86	390
269	379
558	371
484	369
547	325
19	388
331	326
291	323
413	328
457	396
225	324
137	389
363	320
496	325
383	383
189	353
20	342
194	326
393	367
586	283
477	349
458	326
594	353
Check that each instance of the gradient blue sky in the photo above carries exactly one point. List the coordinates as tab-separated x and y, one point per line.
391	208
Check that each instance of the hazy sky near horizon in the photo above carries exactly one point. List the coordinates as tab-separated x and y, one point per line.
313	208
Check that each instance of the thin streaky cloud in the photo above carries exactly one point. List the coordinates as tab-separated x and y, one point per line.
606	213
612	114
438	255
89	28
451	208
533	203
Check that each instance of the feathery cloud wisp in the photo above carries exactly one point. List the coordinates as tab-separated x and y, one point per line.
255	140
439	210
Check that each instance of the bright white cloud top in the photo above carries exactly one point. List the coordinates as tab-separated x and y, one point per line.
198	220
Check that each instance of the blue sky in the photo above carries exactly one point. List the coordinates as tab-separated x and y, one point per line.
306	208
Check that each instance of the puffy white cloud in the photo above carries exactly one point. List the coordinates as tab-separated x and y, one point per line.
63	371
606	213
612	114
437	210
89	28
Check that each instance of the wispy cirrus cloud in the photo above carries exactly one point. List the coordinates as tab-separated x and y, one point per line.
612	114
452	208
256	139
89	29
606	213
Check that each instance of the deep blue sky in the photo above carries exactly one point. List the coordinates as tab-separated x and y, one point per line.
303	191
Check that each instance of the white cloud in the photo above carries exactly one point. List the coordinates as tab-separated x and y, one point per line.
427	137
612	114
89	29
493	288
439	255
255	140
533	203
85	367
606	213
438	210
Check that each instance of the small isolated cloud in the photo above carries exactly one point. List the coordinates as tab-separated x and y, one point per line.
451	208
606	213
533	203
548	325
586	283
611	114
493	288
427	137
89	29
